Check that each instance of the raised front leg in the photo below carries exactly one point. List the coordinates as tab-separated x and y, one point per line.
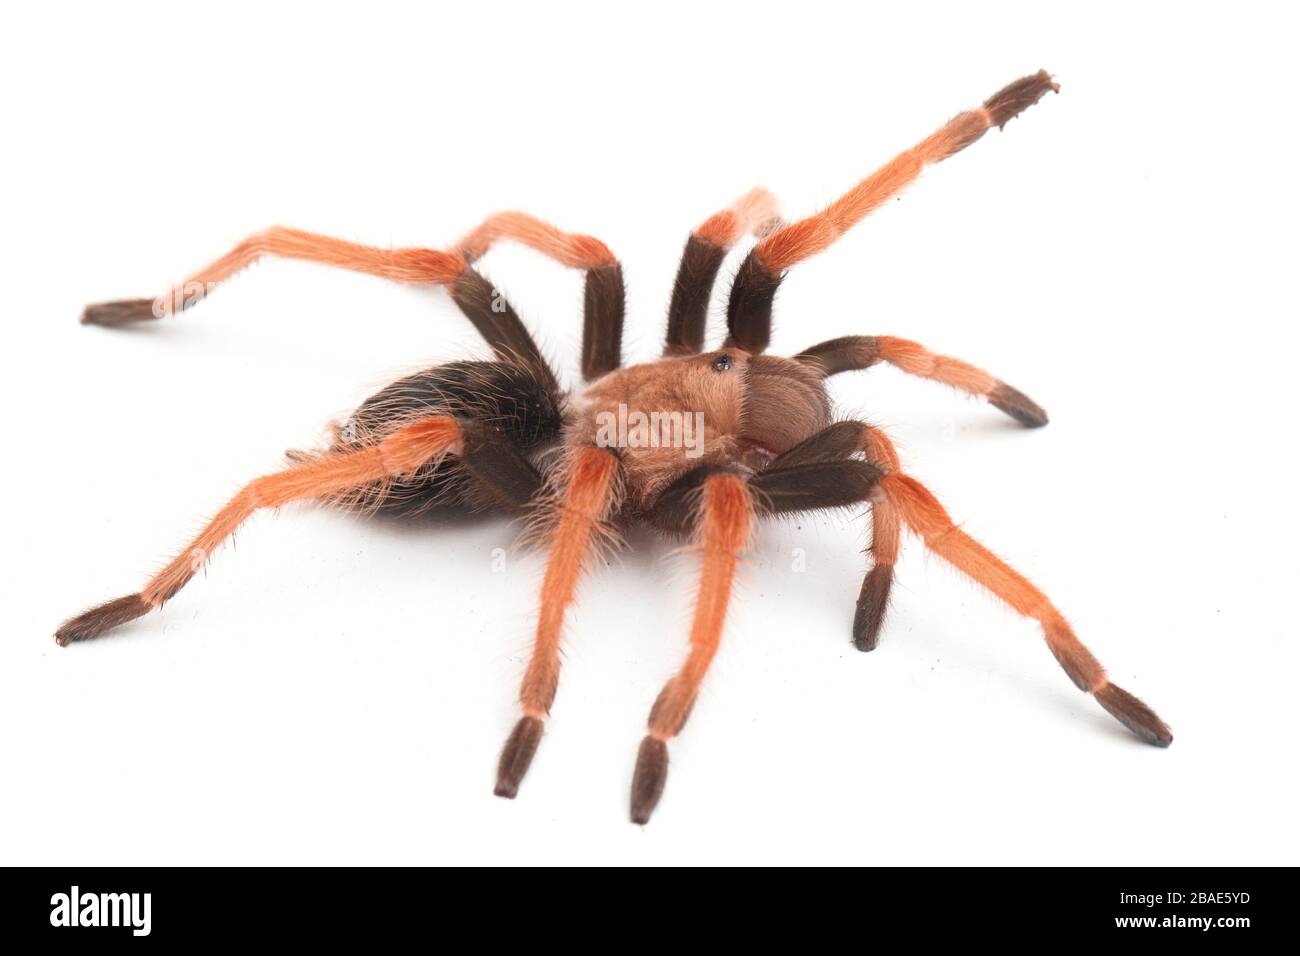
749	309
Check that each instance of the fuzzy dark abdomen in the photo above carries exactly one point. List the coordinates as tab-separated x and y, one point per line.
514	399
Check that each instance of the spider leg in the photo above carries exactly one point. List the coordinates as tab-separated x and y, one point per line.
723	525
900	496
588	496
485	307
856	352
411	265
707	246
604	295
749	309
505	475
923	513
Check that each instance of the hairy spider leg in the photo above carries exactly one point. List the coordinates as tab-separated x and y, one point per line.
855	352
604	293
587	498
399	454
813	475
723	528
490	313
923	513
749	308
411	265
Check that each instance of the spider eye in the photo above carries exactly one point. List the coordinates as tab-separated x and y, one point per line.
722	362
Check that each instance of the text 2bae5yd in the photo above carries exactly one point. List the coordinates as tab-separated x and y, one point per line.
1193	898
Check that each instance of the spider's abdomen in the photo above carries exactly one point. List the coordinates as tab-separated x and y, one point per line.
511	398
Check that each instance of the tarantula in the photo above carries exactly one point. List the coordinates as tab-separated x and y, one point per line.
471	435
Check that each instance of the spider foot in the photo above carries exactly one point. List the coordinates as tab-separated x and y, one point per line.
870	613
648	779
1135	715
97	620
516	756
122	312
1018	405
1010	101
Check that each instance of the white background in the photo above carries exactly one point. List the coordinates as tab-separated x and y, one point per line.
337	690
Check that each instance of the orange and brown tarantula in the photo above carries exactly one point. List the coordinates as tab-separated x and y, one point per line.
470	435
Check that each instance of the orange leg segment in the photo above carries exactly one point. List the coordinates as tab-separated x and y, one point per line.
418	266
725	523
807	237
589	497
570	249
755	212
401	453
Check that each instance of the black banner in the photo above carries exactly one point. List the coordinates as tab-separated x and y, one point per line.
138	906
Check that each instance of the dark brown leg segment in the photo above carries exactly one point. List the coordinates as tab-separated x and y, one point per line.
825	484
121	312
749	307
500	467
841	440
497	321
689	310
517	756
648	778
604	304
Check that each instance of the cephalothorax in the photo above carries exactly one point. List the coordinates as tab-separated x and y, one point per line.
699	444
